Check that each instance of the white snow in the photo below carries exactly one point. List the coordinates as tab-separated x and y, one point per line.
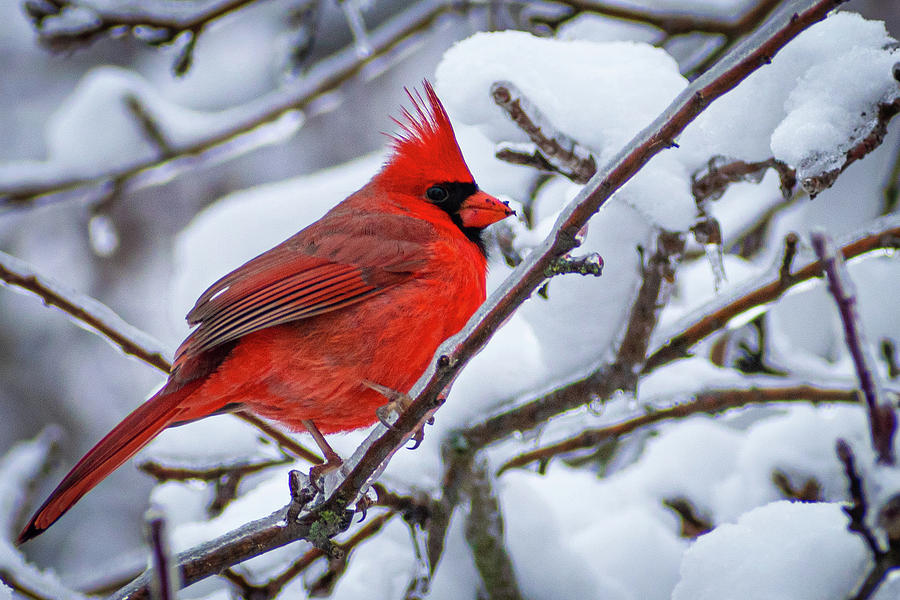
779	551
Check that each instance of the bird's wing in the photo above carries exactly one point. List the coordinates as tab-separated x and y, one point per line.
328	266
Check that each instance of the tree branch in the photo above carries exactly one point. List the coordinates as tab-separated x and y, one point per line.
86	311
484	534
169	19
885	233
554	148
882	419
710	401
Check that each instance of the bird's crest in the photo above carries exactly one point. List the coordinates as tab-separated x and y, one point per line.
425	149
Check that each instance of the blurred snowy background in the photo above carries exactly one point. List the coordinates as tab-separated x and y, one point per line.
615	521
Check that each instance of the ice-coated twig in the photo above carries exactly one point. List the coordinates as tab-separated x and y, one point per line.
66	24
149	126
164	576
712	182
19	468
333	515
884	561
882	418
883	233
86	311
484	534
787	259
590	264
671	24
709	401
325	77
562	153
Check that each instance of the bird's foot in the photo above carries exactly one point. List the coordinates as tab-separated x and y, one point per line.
332	460
316	472
397	403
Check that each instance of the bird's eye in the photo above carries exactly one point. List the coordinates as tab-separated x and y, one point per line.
437	193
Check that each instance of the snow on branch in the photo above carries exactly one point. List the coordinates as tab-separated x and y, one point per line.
85	311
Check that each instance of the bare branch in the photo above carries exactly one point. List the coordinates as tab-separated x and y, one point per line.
710	401
562	153
712	317
882	419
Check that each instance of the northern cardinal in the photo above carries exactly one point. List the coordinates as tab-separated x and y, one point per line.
312	332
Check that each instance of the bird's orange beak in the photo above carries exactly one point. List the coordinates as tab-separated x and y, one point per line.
480	210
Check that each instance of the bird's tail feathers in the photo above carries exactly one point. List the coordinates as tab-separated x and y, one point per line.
120	444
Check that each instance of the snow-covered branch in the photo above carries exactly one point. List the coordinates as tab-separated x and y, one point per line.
86	311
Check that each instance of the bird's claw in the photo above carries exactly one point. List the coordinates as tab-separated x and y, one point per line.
419	435
396	404
317	472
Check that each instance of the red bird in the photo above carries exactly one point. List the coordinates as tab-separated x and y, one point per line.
308	332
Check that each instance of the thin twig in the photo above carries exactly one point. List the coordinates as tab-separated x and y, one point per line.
882	419
884	561
164	584
711	183
787	259
711	401
673	23
562	153
107	17
284	441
